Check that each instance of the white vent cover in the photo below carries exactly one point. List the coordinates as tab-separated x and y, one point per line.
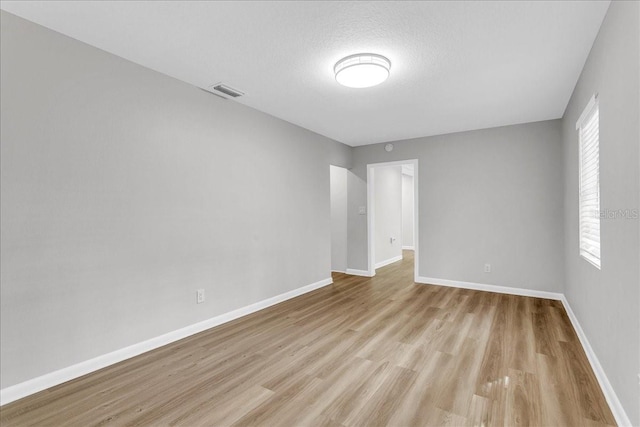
224	91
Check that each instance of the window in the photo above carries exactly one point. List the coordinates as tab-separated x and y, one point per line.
589	180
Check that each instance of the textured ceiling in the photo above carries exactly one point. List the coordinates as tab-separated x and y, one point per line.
455	65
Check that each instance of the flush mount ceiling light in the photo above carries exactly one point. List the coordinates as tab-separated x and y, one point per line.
362	70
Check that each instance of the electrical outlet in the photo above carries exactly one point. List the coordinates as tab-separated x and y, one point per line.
487	268
200	296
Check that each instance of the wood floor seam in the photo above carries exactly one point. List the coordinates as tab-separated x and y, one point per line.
380	351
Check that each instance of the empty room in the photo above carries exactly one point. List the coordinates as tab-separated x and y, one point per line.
320	213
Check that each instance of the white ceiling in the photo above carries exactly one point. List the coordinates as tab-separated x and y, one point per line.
455	65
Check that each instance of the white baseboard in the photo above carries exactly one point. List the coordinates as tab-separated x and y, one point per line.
18	391
490	288
388	261
339	271
612	398
355	272
408	248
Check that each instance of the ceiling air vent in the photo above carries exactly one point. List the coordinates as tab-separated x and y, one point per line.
225	91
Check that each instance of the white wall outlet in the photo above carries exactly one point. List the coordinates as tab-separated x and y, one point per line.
200	296
487	268
392	239
362	210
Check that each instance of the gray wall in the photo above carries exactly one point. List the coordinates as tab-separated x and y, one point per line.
338	184
407	210
388	213
340	154
357	252
488	196
124	190
607	301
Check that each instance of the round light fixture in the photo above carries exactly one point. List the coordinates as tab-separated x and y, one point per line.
362	70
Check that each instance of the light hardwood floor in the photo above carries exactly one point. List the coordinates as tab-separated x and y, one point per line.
380	351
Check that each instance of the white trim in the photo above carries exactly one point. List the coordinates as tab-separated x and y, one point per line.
490	288
587	110
18	391
407	248
416	219
371	212
612	399
388	261
406	170
339	271
355	272
370	222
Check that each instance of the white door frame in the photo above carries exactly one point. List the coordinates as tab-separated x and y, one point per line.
371	213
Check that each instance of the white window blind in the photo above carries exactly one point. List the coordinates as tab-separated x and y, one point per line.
589	181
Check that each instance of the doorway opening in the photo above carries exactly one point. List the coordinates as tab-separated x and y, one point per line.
392	205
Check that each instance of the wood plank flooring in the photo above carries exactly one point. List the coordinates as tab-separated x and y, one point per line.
361	352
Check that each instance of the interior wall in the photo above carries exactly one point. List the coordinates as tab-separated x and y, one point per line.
124	190
607	301
357	259
338	185
487	196
407	211
388	213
